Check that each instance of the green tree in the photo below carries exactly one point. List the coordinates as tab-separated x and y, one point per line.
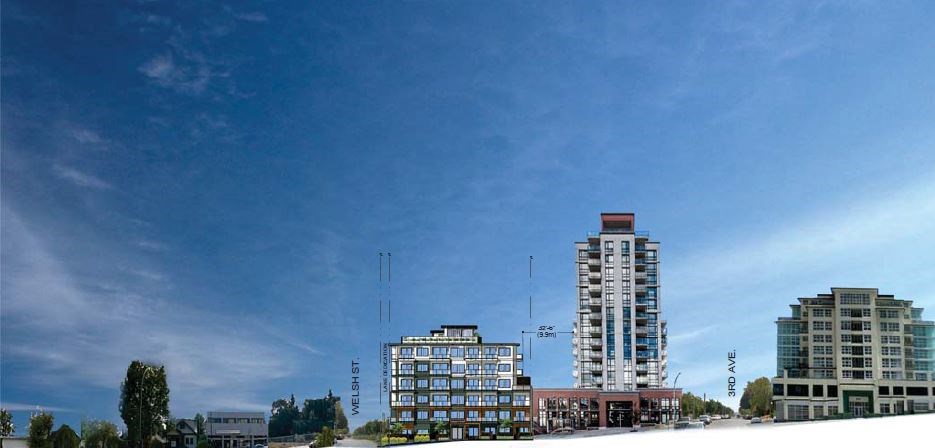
325	437
282	417
203	443
65	437
371	430
100	434
199	425
506	424
757	397
6	425
144	402
441	428
40	431
340	420
397	429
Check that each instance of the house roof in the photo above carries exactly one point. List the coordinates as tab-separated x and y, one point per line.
184	426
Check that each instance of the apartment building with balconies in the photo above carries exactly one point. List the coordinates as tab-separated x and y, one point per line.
619	341
476	389
854	352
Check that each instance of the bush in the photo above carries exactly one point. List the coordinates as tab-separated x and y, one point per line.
422	438
325	438
65	437
387	440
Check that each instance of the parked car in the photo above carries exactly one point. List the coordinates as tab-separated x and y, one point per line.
562	431
756	420
706	419
696	425
682	423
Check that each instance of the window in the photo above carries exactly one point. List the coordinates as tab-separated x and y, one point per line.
422	351
505	351
439	352
422	415
818	390
797	390
457	368
422	399
458	415
884	390
503	384
504	368
439	400
503	399
422	383
405	352
457	400
778	390
422	367
797	412
884	408
609	246
457	352
405	369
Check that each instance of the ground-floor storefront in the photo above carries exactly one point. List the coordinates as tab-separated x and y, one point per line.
797	399
592	408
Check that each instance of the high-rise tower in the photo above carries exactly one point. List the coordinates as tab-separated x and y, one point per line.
620	337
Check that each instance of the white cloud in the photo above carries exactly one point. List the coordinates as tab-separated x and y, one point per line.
32	407
78	329
161	68
192	77
870	224
252	17
79	178
86	136
151	245
689	335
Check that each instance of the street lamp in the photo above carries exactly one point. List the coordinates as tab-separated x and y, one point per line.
672	403
140	425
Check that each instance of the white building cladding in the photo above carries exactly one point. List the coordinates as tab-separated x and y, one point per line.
620	338
236	429
853	352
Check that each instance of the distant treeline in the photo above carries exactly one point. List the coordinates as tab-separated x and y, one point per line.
287	419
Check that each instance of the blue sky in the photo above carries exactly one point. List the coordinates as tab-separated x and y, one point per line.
207	186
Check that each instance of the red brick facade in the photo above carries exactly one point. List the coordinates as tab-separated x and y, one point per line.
588	408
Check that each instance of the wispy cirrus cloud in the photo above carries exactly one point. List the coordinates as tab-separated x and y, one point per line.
63	319
80	178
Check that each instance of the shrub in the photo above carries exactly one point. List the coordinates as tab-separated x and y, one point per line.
393	440
422	438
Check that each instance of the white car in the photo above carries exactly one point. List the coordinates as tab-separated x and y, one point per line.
756	420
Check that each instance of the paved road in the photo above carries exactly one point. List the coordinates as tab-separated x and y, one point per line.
355	442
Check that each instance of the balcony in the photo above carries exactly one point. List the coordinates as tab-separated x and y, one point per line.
595	290
595	316
594	262
594	277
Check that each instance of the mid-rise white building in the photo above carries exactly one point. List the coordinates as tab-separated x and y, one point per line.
853	352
